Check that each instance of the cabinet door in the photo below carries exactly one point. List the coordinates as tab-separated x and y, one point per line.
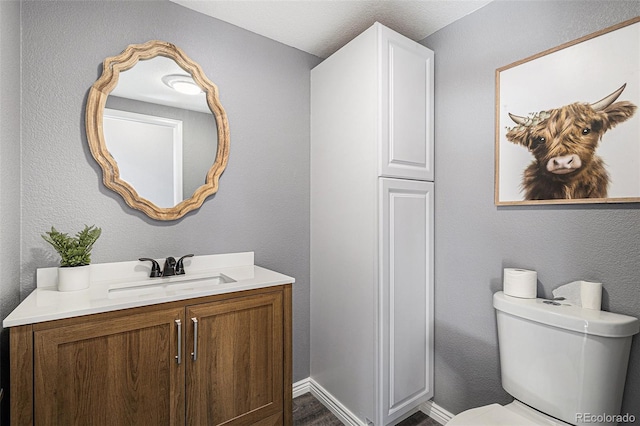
406	296
120	371
406	96
235	372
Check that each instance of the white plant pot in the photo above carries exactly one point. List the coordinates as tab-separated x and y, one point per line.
72	278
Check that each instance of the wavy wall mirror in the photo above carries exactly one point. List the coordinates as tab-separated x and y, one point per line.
157	129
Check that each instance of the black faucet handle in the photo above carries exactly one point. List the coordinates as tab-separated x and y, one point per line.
180	265
155	267
169	267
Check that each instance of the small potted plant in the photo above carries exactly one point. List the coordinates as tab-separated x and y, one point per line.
75	256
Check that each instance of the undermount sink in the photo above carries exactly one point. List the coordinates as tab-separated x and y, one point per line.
158	286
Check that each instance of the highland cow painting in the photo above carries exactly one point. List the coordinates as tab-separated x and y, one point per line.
567	122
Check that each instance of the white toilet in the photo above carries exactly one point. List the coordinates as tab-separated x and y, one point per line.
563	364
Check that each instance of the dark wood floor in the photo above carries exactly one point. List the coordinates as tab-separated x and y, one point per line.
307	410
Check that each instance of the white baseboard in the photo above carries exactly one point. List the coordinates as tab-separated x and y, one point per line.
436	412
303	386
332	404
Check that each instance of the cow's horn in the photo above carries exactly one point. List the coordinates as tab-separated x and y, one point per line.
605	102
518	120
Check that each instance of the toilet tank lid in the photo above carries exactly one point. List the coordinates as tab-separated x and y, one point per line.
569	317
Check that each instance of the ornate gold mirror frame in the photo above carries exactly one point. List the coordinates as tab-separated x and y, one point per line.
96	101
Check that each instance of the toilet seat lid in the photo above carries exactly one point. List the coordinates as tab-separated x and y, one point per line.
497	415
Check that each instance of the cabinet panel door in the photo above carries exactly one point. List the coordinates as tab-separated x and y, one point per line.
406	96
406	296
120	371
237	374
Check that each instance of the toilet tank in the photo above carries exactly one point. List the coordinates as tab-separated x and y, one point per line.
563	360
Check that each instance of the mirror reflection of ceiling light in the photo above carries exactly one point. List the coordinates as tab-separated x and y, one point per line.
182	83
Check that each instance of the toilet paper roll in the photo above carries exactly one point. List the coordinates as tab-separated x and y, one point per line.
585	294
591	295
572	293
521	283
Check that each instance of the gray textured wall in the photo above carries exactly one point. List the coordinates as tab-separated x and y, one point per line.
263	201
9	171
475	239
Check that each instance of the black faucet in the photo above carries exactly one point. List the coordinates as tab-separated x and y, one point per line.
155	268
180	265
169	267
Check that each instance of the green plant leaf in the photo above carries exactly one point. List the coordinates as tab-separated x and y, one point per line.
73	251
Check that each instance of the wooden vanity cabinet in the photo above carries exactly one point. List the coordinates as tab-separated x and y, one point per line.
235	375
109	371
121	368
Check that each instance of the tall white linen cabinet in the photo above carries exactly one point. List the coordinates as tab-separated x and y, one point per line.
372	228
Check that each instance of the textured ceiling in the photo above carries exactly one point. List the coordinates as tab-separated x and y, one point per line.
321	27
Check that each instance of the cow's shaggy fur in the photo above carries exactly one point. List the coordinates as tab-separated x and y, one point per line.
569	134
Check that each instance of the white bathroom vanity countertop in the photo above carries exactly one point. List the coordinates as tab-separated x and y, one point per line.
123	285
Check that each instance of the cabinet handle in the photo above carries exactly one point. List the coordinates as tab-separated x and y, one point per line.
179	356
194	354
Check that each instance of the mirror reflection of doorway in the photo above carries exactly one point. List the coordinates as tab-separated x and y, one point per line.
148	150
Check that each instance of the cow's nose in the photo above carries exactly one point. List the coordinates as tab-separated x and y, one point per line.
563	161
564	164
